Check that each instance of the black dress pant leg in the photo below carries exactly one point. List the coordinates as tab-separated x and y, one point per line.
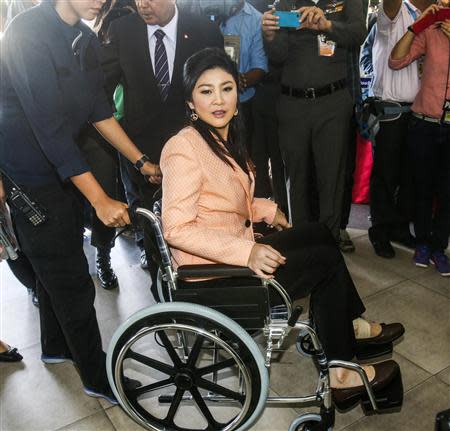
315	266
66	292
391	179
23	271
104	163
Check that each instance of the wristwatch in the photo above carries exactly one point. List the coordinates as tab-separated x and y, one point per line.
139	163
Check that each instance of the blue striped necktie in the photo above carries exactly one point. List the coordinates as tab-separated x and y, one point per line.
161	65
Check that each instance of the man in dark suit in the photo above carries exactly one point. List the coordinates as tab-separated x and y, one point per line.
146	53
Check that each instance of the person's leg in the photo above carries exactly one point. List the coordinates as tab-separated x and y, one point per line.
421	146
388	169
294	133
332	116
315	266
441	223
103	161
55	250
345	242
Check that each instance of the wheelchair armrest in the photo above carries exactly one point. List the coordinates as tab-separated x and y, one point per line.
213	270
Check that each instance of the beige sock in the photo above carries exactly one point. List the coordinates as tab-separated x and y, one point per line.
362	328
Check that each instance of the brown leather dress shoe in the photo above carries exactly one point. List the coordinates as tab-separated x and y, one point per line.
347	398
389	333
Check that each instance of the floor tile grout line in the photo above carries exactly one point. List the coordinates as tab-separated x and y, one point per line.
429	288
384	289
417	365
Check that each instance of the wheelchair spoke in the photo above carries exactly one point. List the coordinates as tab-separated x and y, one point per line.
148	388
212	423
170	349
215	367
174	406
220	390
195	352
152	363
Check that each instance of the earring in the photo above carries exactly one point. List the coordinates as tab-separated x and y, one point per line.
194	116
237	112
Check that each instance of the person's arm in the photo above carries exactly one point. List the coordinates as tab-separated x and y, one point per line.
365	60
408	49
276	41
35	82
111	130
349	33
258	64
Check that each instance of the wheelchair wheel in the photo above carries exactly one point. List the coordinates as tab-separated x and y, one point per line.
308	422
161	287
304	344
199	370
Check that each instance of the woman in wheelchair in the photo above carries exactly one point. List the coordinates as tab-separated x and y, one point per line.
208	210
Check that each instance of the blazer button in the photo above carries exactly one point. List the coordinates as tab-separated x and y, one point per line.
248	223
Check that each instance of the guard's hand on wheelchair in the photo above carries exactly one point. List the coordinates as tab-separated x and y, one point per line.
280	221
112	213
264	260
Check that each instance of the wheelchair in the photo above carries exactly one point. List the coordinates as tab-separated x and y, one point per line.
196	361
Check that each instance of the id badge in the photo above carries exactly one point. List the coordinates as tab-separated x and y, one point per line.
233	47
326	46
446	114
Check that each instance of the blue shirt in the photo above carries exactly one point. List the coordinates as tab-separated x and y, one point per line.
247	24
51	85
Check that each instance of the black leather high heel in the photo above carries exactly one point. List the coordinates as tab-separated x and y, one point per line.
11	355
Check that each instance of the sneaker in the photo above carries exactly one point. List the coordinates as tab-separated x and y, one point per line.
440	259
345	243
108	396
422	256
55	359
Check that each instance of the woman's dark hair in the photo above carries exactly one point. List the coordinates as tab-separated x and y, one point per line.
195	66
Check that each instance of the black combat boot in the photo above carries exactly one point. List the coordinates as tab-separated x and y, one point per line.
106	275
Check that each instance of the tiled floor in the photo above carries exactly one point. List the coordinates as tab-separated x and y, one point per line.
35	397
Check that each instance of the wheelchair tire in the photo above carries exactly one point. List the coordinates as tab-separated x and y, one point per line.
161	287
308	422
181	374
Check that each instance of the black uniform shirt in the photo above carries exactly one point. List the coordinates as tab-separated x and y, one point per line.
51	85
298	49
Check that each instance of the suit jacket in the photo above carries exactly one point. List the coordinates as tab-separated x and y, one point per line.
207	205
126	59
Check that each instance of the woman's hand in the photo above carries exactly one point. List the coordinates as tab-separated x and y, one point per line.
112	213
313	18
264	260
429	10
270	25
152	172
445	27
280	222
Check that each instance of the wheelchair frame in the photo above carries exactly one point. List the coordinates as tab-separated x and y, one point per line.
278	325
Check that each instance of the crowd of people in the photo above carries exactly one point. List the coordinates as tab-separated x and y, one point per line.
225	108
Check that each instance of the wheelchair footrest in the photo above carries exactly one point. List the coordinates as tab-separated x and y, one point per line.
389	399
371	351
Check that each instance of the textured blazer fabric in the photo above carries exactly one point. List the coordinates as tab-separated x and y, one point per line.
208	205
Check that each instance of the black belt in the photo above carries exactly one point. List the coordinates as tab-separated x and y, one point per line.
313	93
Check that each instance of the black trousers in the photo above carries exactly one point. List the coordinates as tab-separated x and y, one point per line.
429	145
314	266
64	287
104	163
265	146
313	138
391	180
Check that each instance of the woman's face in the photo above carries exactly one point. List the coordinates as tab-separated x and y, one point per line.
86	9
215	99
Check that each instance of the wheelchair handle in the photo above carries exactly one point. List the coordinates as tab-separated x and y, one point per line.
295	315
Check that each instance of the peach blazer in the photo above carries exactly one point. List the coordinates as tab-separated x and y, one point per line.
207	206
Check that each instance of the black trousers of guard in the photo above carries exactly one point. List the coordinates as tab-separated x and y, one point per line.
314	137
65	289
314	266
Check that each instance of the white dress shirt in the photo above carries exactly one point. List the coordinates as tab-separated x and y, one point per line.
397	85
170	41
